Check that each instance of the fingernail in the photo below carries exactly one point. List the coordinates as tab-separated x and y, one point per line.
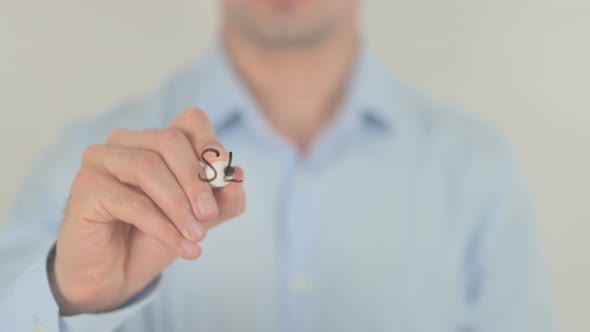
195	230
191	248
207	205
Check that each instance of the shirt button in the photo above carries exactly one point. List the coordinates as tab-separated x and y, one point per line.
39	328
300	283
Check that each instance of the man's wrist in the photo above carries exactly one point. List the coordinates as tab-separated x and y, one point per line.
64	309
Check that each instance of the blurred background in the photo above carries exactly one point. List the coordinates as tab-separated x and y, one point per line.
522	64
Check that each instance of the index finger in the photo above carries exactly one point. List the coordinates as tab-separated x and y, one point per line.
197	127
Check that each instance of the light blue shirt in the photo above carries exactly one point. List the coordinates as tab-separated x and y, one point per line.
407	215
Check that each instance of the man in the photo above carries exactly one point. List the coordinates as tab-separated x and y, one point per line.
370	208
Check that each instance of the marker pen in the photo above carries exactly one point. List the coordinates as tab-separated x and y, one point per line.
220	173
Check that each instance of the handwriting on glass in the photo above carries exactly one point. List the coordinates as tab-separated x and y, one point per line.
227	172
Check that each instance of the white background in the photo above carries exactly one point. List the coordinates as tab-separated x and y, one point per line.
522	64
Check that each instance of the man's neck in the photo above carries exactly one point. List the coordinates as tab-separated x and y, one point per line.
298	89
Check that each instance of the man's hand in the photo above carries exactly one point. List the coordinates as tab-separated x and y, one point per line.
135	205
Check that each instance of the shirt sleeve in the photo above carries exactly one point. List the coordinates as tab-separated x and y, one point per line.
507	288
29	305
26	300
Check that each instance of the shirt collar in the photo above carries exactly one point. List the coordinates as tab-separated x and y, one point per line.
369	100
220	91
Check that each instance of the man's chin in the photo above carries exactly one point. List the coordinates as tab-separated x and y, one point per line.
289	36
287	31
284	23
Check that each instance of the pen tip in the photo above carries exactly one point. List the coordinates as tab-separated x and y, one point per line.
229	171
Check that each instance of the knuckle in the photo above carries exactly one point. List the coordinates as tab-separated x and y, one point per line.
116	134
140	204
85	178
147	161
90	153
172	137
197	114
85	175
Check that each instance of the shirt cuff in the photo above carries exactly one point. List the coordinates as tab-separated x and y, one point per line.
111	320
28	305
